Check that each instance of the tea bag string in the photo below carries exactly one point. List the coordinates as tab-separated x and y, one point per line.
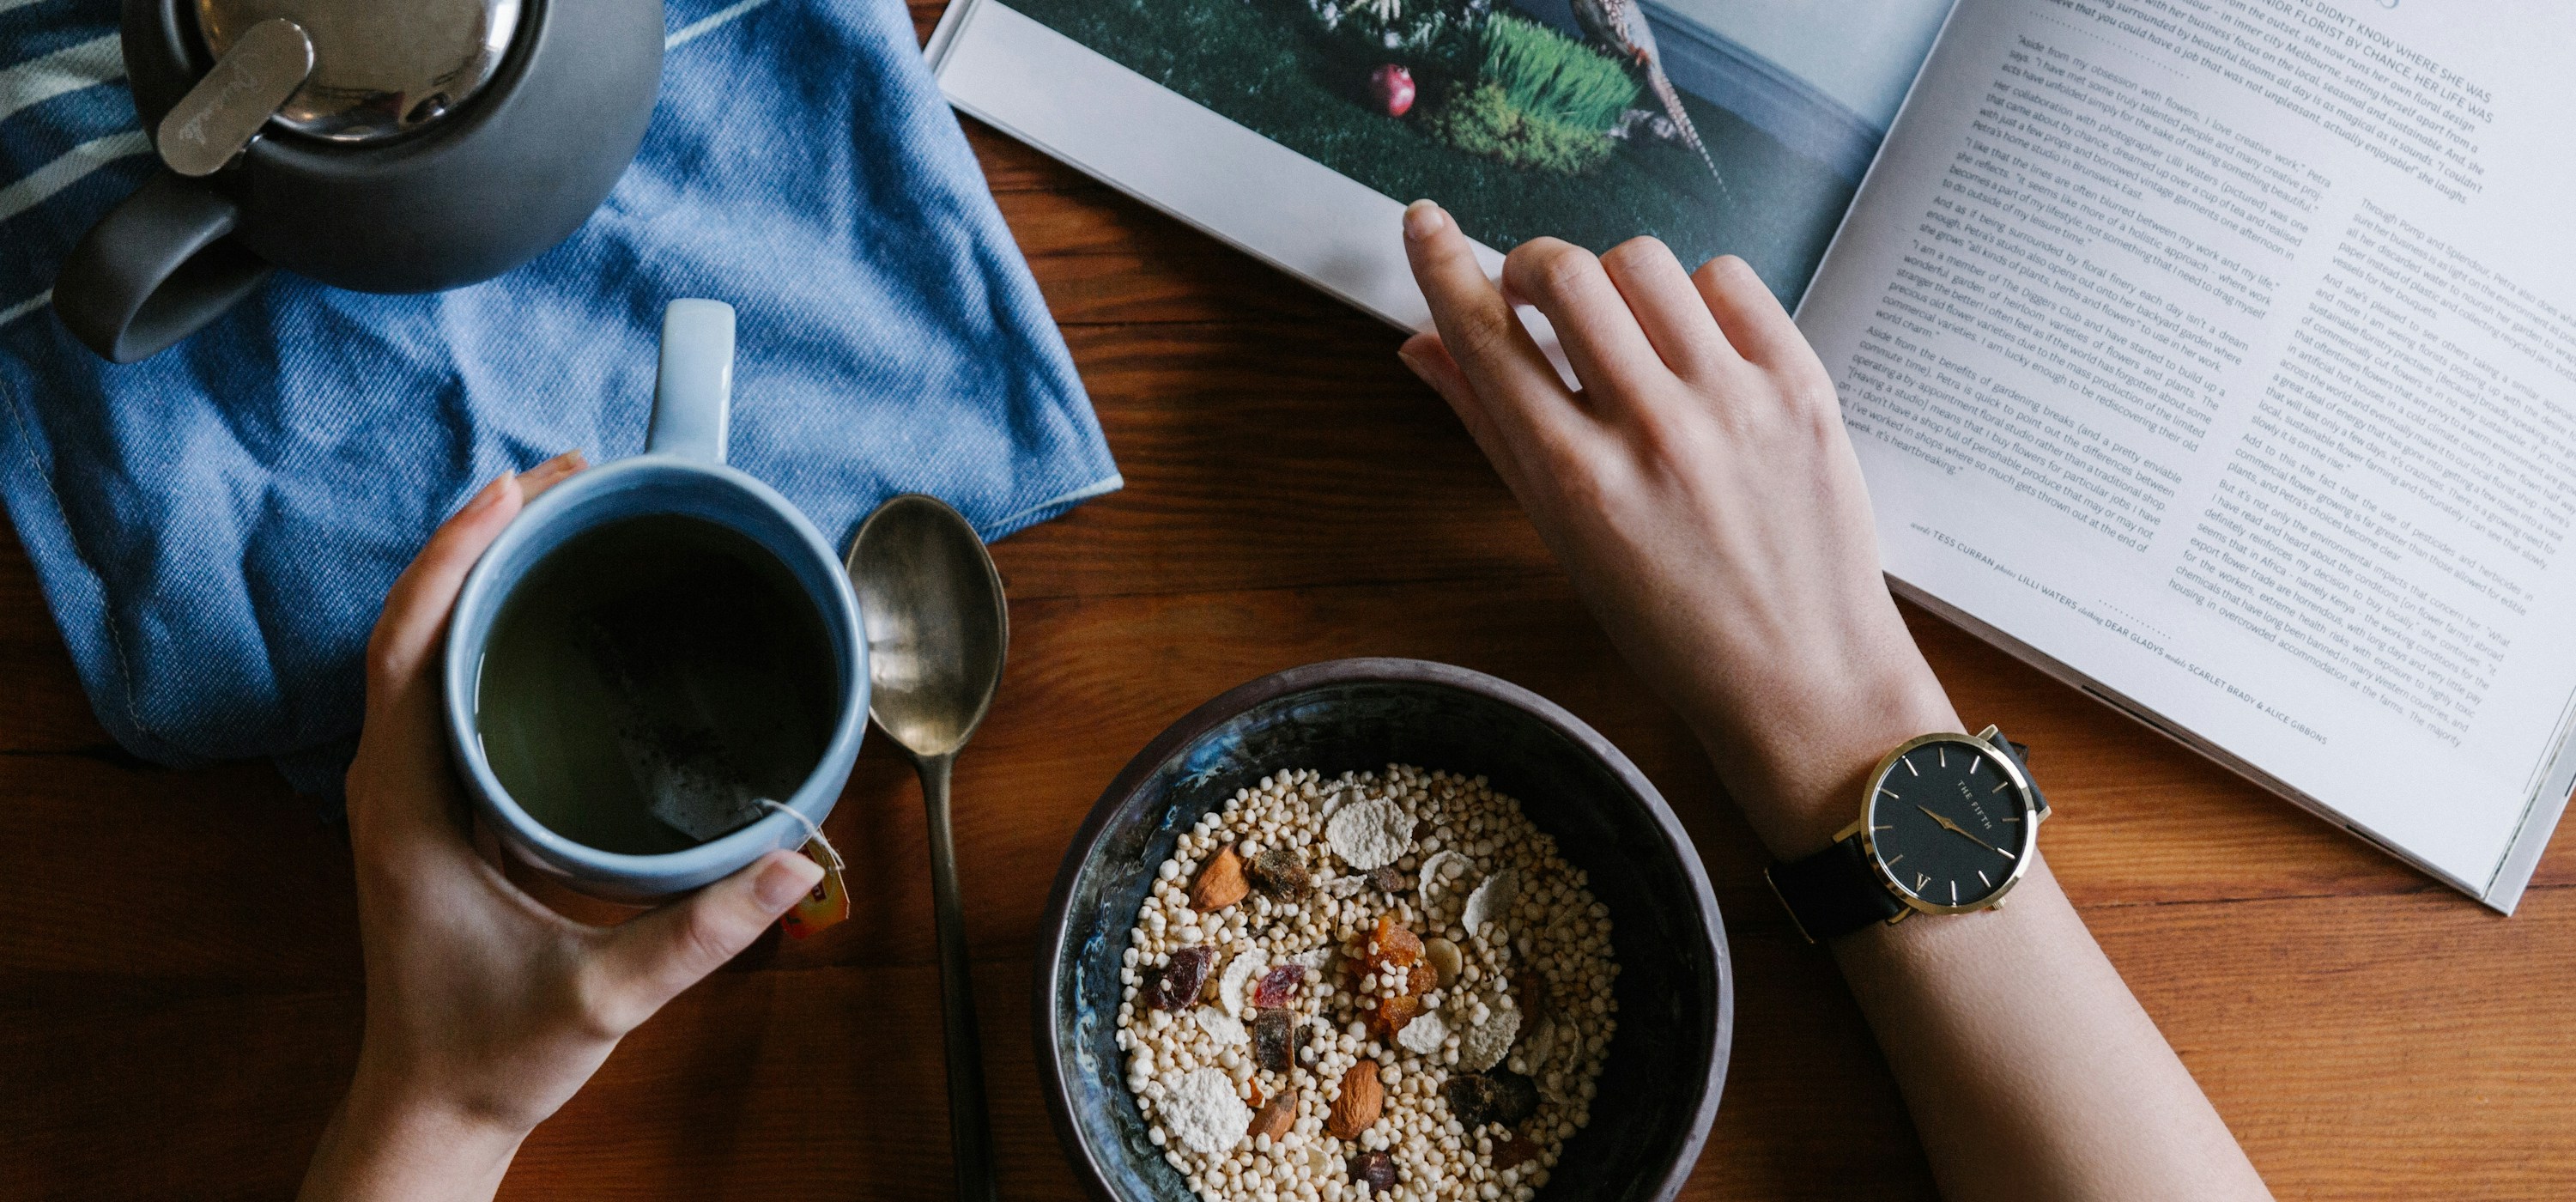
810	829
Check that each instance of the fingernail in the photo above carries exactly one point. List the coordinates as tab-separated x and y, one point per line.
784	880
568	462
1423	219
490	496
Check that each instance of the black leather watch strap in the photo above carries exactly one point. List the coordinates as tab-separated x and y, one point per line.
1833	892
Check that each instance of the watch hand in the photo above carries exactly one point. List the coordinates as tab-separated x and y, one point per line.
1961	831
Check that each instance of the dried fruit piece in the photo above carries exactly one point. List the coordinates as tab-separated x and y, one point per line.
1270	1040
1515	1150
1389	879
1362	1098
1424	978
1220	884
1530	990
1369	833
1515	1097
1281	875
1278	985
1375	1170
1445	957
1299	1038
1391	945
1204	1113
1178	984
1471	1100
1277	1117
1394	1012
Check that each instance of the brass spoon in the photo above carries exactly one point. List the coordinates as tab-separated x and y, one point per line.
937	630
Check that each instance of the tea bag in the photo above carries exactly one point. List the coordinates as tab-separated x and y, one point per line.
692	795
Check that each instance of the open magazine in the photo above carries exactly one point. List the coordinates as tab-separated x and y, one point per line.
2216	356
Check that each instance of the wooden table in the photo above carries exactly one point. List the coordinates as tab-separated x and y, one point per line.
179	974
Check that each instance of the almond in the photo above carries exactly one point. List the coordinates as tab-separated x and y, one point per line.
1275	1119
1220	884
1362	1098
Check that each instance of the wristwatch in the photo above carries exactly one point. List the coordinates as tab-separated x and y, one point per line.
1947	826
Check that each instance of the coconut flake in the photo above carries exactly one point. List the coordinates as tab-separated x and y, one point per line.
1224	1028
1424	1035
1343	886
1436	872
1370	834
1492	901
1205	1114
1238	972
1313	960
1484	1045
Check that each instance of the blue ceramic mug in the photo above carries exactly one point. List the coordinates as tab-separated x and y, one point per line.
681	472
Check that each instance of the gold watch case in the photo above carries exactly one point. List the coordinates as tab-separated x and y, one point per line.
2031	806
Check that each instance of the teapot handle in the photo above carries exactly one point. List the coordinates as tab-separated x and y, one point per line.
156	269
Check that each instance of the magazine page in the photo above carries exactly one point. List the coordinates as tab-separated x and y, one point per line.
2225	352
1294	127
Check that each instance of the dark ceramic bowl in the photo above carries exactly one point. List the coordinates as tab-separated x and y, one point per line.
1676	991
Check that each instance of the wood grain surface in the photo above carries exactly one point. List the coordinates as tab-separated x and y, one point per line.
179	973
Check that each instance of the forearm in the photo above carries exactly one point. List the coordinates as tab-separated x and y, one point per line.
2029	1068
378	1147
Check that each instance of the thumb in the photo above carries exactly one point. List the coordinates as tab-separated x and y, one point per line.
650	959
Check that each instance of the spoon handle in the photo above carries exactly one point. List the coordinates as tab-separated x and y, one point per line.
970	1132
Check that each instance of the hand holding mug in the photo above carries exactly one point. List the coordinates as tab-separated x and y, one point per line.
485	1010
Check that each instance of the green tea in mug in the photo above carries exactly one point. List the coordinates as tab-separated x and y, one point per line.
651	681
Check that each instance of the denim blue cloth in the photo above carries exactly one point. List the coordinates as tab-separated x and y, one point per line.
215	527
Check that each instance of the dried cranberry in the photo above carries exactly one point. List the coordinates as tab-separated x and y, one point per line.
1270	1036
1179	982
1280	875
1278	985
1375	1168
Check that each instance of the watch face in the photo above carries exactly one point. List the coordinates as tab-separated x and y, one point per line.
1948	823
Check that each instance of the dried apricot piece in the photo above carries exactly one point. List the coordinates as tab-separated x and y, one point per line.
1423	979
1391	945
1393	1012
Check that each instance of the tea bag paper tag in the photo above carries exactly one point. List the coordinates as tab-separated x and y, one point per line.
827	903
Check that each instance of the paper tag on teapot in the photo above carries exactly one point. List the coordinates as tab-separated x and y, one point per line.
827	903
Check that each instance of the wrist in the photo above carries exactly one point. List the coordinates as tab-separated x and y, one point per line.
386	1141
1802	765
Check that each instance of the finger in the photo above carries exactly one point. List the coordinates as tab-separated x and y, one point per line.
1429	360
538	479
650	960
401	774
1519	389
1754	322
1601	337
1668	307
416	608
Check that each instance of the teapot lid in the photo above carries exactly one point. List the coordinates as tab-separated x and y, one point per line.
380	67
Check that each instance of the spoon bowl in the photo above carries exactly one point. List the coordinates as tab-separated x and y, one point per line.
937	624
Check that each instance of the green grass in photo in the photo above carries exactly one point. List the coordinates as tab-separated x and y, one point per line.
1253	62
1484	120
1550	76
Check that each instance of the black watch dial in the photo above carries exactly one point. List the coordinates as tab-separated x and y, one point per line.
1949	824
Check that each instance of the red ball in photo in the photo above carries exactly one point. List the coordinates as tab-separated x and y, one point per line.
1393	87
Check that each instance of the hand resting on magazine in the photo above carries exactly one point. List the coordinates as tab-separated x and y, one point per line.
1701	491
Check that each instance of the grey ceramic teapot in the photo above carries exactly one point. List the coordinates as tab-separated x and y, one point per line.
375	145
